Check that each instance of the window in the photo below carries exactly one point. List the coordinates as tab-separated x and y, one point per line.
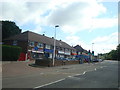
31	43
40	45
47	46
14	42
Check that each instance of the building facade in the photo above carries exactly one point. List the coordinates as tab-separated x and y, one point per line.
37	46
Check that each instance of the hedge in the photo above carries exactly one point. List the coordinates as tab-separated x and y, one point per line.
10	53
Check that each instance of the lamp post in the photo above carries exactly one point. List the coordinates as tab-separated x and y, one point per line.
54	45
92	51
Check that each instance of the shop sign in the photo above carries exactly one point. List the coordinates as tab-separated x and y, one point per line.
61	52
73	53
48	50
37	51
36	48
67	53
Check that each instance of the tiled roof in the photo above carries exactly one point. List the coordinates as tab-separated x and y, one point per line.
80	49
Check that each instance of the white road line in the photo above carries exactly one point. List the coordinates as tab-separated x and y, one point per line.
95	69
41	73
69	76
84	72
49	83
77	74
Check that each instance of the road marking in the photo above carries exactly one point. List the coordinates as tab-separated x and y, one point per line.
95	69
77	74
84	72
41	73
49	83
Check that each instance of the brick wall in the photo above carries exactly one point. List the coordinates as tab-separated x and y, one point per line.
57	62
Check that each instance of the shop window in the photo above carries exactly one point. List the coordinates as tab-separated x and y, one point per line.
14	42
40	45
47	46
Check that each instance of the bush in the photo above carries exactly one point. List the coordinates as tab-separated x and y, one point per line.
10	53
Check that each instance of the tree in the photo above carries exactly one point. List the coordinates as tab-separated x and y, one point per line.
114	54
9	28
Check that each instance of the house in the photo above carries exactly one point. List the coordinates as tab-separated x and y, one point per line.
37	46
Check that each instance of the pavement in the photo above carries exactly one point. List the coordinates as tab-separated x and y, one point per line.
18	68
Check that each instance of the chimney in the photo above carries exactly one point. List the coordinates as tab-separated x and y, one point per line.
43	34
52	37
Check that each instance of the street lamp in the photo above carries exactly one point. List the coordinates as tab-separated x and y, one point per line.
54	45
92	51
92	46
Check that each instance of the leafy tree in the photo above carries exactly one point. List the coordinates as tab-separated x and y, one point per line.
114	54
9	28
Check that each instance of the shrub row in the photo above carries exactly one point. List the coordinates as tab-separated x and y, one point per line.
10	53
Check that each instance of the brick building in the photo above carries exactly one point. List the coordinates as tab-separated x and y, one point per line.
36	45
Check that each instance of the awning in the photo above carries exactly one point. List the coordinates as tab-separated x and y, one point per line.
73	53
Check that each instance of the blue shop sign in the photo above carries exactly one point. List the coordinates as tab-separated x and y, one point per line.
48	50
36	48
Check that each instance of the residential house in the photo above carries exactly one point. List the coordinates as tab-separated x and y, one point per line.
38	46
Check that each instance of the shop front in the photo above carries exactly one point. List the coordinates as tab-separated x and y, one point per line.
67	54
35	53
48	53
60	54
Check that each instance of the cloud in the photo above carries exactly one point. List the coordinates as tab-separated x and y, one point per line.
106	42
104	22
37	29
23	12
75	16
72	16
102	44
75	40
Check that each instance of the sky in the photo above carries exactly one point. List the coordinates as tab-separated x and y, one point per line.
93	24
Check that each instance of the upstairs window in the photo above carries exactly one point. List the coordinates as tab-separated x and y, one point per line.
14	42
31	43
40	45
47	46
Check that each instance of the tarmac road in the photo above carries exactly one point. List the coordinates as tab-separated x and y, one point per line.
106	77
100	74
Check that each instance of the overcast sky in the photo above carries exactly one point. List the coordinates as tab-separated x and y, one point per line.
81	22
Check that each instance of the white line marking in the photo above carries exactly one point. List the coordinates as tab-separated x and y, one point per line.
95	69
84	72
69	76
49	83
41	73
77	74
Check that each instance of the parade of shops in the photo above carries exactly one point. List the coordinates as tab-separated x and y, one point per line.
38	46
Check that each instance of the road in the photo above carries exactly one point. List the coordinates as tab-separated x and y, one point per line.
97	75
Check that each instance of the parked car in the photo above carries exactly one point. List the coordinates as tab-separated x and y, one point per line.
100	60
95	60
60	58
